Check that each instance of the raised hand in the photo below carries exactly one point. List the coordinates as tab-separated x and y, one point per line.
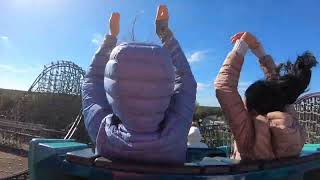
114	24
162	19
280	119
250	39
162	13
236	37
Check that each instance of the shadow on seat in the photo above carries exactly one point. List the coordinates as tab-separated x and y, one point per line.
83	157
87	158
197	154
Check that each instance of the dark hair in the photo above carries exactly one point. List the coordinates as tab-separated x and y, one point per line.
266	96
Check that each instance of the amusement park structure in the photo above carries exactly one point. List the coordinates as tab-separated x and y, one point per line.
308	109
36	112
62	77
39	111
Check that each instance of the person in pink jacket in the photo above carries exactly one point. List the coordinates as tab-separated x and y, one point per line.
264	125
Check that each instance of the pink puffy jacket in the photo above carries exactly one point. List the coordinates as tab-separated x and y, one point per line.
254	138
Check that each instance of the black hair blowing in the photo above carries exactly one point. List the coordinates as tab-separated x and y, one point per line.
266	96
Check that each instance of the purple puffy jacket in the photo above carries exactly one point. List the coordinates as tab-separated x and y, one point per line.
138	101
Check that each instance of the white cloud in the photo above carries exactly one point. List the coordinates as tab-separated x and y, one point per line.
4	38
197	56
202	86
97	39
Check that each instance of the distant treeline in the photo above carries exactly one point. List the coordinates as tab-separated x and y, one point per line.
8	98
204	111
11	98
55	111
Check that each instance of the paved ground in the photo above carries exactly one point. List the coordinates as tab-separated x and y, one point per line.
12	164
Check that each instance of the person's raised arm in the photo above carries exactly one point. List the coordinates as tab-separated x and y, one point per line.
94	102
226	85
183	100
287	135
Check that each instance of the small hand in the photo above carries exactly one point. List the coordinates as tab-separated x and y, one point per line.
236	37
114	24
250	39
162	13
280	120
162	19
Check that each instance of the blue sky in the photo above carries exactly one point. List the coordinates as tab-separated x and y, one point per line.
34	33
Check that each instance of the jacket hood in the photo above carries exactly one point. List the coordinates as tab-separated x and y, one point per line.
139	83
194	135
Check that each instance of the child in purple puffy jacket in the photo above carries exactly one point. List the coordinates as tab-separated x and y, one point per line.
138	99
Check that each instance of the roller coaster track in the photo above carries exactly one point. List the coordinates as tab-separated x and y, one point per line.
62	77
74	126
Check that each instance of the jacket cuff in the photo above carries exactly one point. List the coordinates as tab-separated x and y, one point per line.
163	30
110	41
241	47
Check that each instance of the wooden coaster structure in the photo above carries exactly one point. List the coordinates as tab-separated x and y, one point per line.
59	81
59	78
62	77
308	109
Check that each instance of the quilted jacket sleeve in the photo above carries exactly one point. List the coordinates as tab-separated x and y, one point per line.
182	102
94	102
268	67
240	122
